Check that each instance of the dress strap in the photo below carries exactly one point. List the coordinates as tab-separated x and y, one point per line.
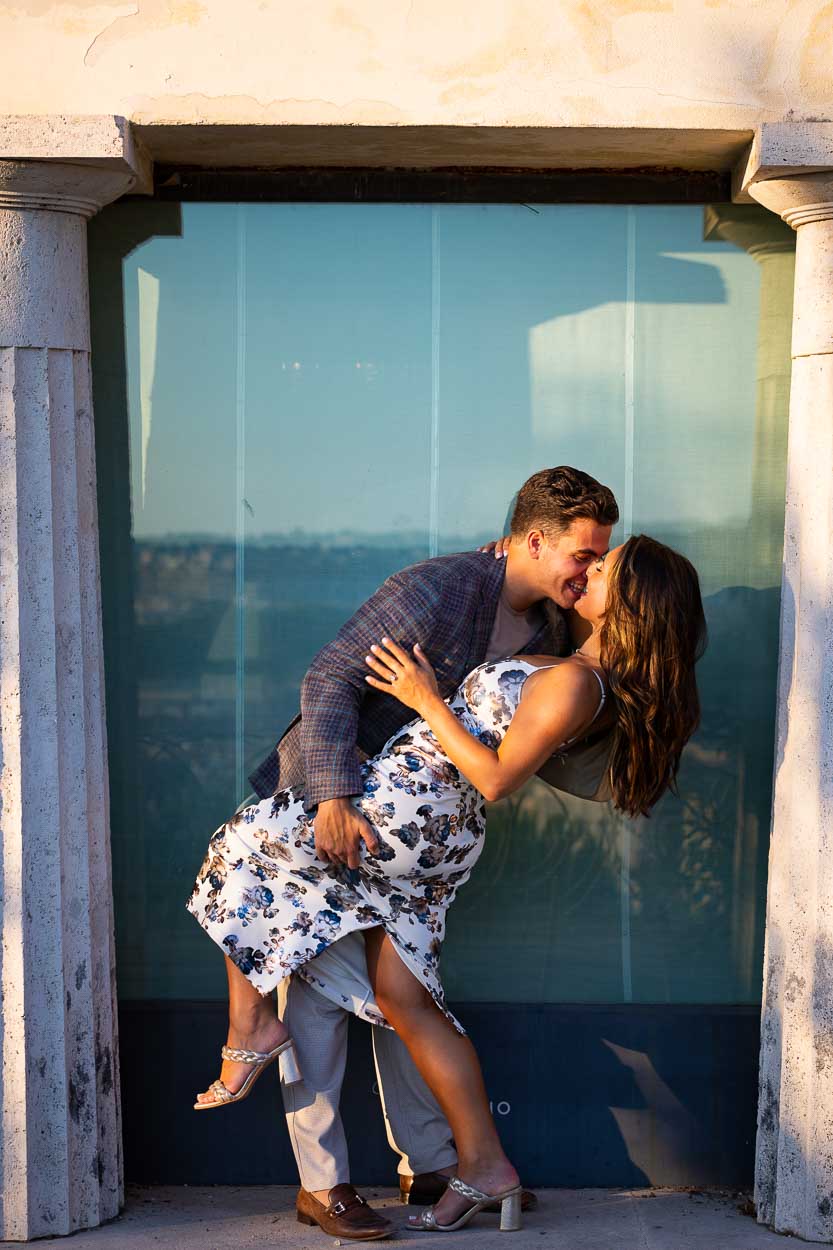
604	694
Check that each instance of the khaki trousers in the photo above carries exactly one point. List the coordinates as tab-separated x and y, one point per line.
416	1127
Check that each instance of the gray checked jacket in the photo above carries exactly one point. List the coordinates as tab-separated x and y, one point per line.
448	605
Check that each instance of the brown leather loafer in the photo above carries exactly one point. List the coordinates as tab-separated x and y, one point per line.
348	1215
428	1187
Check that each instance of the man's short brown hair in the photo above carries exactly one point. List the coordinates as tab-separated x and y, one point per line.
553	498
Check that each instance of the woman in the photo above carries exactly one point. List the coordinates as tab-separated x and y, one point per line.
273	906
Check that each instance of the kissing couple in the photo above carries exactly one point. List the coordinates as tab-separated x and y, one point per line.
460	678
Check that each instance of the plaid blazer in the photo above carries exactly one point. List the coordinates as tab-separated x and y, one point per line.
447	605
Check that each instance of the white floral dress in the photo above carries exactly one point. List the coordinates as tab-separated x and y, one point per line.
271	905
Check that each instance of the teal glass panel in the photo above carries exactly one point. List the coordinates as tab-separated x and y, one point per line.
663	369
294	400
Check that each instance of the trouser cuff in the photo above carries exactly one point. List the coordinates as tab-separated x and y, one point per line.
415	1167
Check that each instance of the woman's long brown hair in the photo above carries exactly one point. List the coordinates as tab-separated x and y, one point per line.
653	633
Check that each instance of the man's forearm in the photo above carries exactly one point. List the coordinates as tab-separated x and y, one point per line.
329	726
334	688
325	790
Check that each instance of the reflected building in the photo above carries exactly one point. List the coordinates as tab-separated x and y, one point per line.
771	244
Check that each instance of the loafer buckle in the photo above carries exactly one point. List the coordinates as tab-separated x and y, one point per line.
340	1208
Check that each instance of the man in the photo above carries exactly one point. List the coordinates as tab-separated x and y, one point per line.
464	610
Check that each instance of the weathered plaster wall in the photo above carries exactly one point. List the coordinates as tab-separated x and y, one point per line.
665	63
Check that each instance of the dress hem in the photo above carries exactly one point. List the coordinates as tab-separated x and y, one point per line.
322	987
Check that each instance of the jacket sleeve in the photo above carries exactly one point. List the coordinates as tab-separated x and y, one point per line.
406	609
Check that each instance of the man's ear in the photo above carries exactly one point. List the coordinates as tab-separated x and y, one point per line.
535	544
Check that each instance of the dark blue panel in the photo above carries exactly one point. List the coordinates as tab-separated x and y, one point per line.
583	1095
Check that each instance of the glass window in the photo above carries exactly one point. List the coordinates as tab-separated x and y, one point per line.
294	400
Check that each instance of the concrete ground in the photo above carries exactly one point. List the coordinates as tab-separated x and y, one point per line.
229	1218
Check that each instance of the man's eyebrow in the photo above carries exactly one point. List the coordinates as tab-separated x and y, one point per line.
588	551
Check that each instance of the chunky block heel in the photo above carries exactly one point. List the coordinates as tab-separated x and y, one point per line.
510	1213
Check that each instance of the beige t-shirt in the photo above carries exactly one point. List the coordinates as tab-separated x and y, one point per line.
512	630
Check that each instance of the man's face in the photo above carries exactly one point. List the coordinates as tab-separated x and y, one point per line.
563	561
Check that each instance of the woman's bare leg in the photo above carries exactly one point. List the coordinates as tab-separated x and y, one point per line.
253	1025
448	1062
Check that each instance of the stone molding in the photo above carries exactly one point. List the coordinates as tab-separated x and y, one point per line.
69	164
773	150
44	205
798	198
61	187
796	217
781	149
109	143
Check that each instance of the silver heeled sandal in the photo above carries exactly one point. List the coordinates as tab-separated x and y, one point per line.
510	1209
223	1097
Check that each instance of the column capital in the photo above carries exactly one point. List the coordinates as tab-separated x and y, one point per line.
797	198
55	172
69	164
788	168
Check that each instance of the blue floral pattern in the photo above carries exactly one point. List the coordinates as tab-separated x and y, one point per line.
272	906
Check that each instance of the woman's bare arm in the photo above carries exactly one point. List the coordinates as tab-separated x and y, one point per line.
554	708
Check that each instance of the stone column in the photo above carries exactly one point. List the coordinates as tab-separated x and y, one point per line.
794	1160
60	1151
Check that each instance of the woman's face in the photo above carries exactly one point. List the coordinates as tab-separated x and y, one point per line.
591	605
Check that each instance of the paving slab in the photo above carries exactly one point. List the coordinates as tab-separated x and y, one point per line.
248	1218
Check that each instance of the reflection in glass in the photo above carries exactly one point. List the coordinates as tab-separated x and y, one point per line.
319	394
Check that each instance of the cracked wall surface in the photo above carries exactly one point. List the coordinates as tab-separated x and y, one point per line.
667	63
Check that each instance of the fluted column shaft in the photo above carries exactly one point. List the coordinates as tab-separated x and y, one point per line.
794	1159
60	1150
